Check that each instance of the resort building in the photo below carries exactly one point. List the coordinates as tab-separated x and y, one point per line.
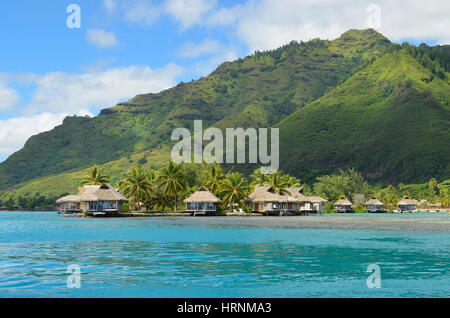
343	206
93	198
374	206
305	203
202	201
264	199
407	205
317	203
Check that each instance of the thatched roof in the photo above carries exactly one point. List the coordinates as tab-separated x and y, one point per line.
374	201
407	201
69	199
317	200
203	195
267	194
297	192
92	193
343	201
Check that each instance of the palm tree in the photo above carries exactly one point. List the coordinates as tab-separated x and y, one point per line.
171	180
136	185
389	196
94	176
234	189
213	178
259	178
433	185
150	200
444	197
151	176
278	183
290	181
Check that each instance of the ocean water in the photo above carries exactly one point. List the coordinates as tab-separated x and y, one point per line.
220	257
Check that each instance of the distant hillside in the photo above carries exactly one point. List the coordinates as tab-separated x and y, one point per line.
391	121
257	91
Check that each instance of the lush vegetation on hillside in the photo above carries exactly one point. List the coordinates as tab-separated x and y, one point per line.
436	58
390	121
256	91
356	102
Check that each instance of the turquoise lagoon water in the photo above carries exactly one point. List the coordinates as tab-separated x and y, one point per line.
216	257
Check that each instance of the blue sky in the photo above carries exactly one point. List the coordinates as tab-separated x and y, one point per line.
126	47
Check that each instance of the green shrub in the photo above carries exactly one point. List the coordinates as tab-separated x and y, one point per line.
125	208
328	208
142	161
360	209
248	209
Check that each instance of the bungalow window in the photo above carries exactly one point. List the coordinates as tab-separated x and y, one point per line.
93	206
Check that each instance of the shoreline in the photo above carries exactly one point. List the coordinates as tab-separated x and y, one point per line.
387	221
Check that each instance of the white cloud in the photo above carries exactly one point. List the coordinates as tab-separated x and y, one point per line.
101	38
145	12
206	47
63	92
59	94
225	16
8	96
16	131
142	12
189	12
416	20
268	24
110	5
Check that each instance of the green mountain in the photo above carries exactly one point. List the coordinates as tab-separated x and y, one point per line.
358	101
390	121
257	91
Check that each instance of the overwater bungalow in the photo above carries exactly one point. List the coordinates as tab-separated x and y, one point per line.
264	199
374	206
304	204
317	203
202	201
93	198
343	206
407	205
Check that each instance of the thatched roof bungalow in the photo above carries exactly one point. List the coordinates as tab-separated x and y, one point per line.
374	205
305	203
93	198
343	206
317	203
264	199
202	200
407	205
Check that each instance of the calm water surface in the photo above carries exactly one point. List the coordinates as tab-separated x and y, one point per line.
216	257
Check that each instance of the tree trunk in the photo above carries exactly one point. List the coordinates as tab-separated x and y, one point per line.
175	203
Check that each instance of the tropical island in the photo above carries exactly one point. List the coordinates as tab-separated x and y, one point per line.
358	115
